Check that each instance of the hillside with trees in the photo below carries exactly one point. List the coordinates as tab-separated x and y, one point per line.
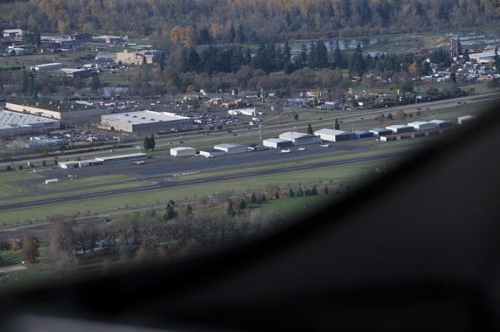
238	21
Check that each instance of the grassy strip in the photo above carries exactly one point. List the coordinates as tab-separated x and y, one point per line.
330	175
31	198
384	147
8	258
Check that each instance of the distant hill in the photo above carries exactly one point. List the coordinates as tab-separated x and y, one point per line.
221	21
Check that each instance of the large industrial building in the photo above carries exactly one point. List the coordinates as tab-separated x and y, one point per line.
300	138
333	135
144	121
61	110
13	123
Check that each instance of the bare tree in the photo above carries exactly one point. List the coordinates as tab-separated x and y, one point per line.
29	251
60	252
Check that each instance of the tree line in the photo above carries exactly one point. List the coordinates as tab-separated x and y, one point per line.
239	21
157	234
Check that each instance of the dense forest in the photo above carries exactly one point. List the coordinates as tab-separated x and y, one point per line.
222	21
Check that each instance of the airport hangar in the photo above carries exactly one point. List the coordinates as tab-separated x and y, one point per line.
144	121
103	160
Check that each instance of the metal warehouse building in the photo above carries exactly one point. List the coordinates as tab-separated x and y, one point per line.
277	143
212	153
183	151
300	138
230	148
104	160
145	121
363	134
380	131
333	135
397	129
422	125
442	123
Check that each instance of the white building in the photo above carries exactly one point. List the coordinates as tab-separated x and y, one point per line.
276	143
145	121
212	153
396	129
47	67
183	151
442	123
422	125
230	148
298	138
333	135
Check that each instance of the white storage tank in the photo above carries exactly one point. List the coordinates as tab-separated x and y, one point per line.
48	181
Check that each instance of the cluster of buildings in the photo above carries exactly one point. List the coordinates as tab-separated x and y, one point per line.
295	138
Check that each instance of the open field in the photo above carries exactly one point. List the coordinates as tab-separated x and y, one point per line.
120	203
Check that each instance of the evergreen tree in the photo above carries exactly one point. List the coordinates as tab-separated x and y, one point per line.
314	190
193	61
152	142
291	193
146	143
357	63
287	55
253	198
170	212
321	55
243	204
329	9
337	124
311	57
337	56
232	33
346	9
309	129
326	191
240	35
